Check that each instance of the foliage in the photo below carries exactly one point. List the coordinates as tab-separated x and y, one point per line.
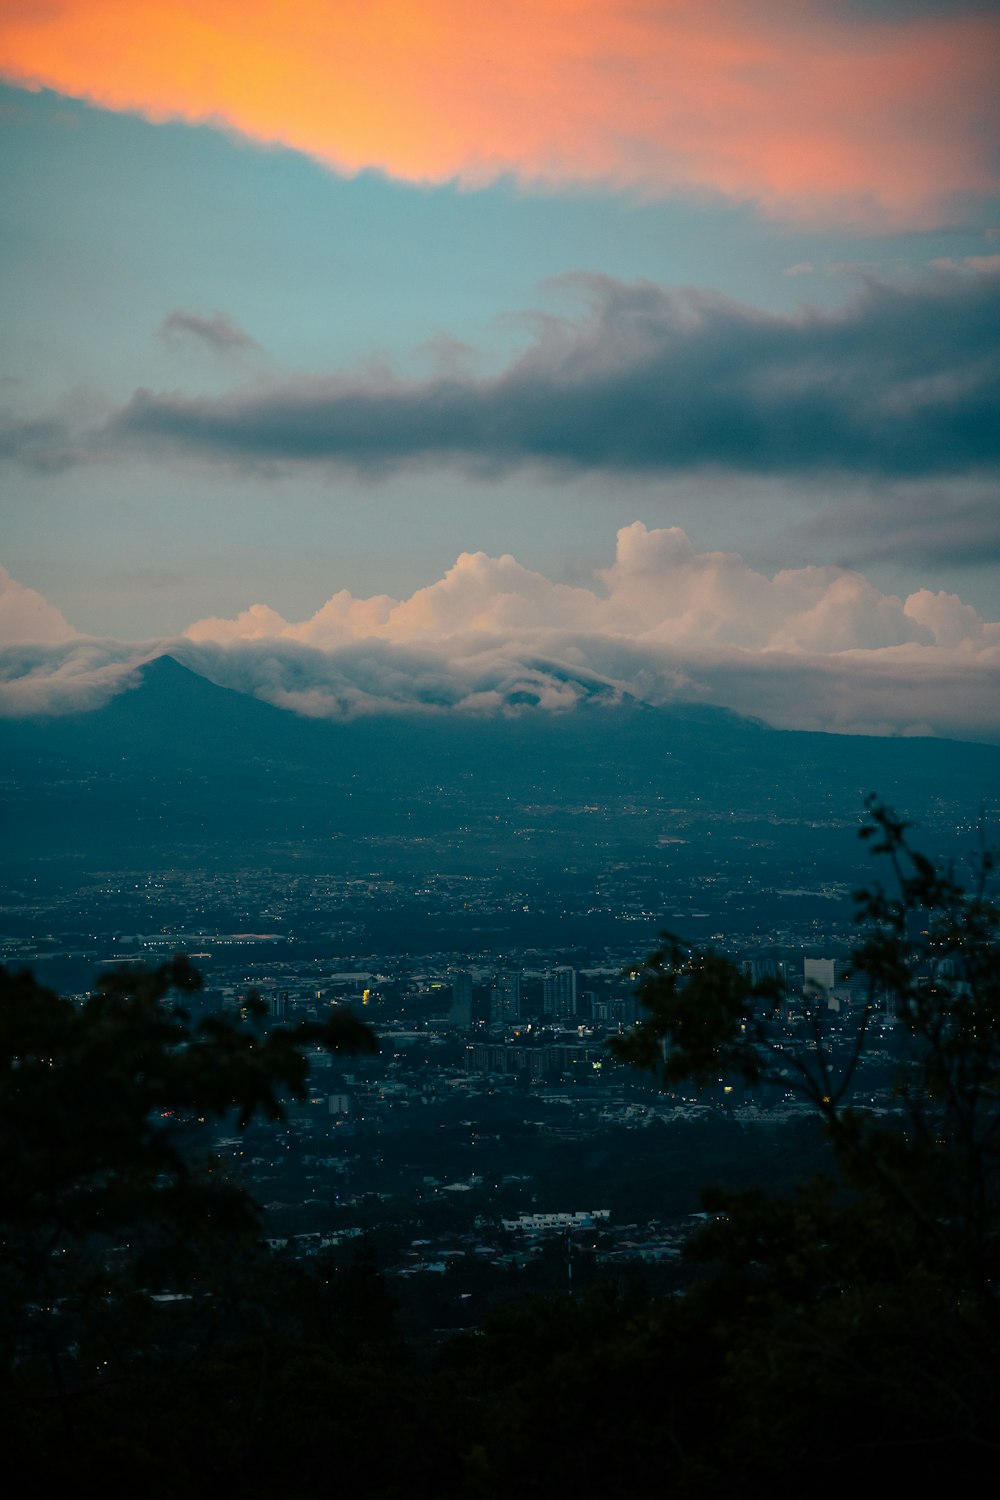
875	1292
848	1328
929	960
110	1195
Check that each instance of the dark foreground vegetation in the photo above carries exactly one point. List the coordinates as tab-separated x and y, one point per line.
845	1333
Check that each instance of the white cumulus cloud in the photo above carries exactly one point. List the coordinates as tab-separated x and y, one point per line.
26	616
811	648
659	589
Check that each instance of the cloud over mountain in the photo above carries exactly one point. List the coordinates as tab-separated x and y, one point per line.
816	648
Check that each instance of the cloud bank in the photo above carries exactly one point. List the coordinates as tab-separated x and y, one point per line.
901	382
933	523
815	109
810	648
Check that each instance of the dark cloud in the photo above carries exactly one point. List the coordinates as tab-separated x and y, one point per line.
885	11
901	382
925	524
882	11
217	331
43	443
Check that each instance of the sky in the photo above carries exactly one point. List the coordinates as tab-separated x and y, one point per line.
393	355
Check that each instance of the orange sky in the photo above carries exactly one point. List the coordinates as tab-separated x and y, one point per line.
794	105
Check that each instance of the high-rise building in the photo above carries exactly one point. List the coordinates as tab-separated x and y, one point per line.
505	1004
832	979
277	1005
460	1013
622	1010
559	993
819	974
763	966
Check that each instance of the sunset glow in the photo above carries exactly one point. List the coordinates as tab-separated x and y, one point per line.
343	339
799	107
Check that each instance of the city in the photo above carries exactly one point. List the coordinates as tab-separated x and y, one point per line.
494	1121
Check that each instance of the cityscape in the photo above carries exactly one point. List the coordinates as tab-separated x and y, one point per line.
494	1047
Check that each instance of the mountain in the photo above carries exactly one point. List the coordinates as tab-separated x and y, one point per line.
179	770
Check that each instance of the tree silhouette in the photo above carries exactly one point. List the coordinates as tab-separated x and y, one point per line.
847	1328
874	1292
109	1192
929	960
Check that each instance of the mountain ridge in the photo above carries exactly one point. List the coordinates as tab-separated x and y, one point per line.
178	768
